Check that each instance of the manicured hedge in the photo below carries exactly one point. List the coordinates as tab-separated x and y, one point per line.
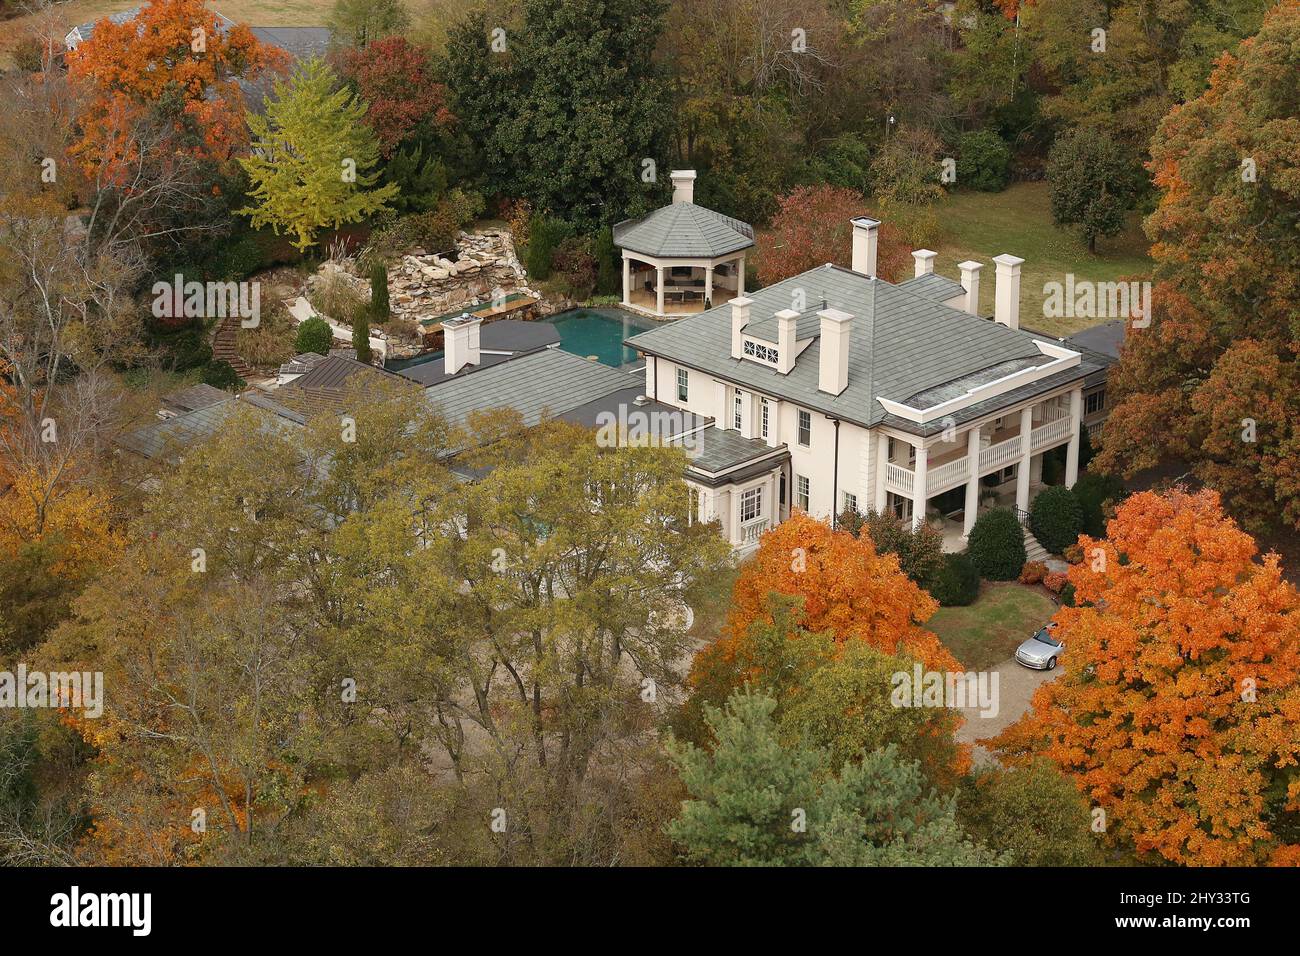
956	583
997	545
1056	518
314	335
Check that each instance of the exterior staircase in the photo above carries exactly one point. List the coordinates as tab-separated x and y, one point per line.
225	346
1033	550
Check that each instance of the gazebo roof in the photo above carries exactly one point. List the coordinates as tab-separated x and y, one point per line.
684	230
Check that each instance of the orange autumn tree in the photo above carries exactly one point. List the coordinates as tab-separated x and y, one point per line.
1178	713
173	51
846	587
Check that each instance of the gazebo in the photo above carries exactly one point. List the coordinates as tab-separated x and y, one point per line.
681	258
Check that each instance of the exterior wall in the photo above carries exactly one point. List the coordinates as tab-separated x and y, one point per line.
860	459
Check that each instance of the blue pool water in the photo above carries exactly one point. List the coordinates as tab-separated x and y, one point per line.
585	332
600	332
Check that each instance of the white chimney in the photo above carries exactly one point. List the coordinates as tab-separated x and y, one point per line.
460	342
683	185
833	373
785	339
866	242
924	261
739	319
970	281
1006	291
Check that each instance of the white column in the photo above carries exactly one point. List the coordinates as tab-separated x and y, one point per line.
708	284
659	289
882	460
1072	451
973	484
1026	453
627	281
740	278
918	485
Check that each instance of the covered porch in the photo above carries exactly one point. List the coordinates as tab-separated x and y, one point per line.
737	482
949	479
672	286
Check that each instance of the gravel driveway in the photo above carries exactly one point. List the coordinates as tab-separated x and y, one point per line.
1016	685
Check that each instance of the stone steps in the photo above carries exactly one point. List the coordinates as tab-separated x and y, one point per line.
225	346
1033	550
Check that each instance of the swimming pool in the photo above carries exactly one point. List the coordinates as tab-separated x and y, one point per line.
600	333
585	332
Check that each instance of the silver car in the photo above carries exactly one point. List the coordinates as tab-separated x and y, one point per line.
1041	651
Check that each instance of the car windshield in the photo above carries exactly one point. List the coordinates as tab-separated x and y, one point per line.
1045	636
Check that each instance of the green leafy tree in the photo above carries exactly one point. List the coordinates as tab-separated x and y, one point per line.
567	106
1056	518
1033	813
1092	184
608	279
357	23
997	545
1097	493
983	161
956	583
838	698
314	335
313	158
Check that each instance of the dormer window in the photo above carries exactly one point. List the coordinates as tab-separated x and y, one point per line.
768	354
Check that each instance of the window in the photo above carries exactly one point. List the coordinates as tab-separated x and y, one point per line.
751	504
850	502
805	428
801	492
911	452
1095	402
764	353
764	417
683	381
900	506
737	410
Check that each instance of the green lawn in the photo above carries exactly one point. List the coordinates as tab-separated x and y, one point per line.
1018	220
988	632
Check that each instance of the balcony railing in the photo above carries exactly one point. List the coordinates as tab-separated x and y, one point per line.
752	531
950	474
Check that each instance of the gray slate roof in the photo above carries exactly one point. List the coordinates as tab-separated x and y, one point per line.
1107	338
715	449
195	397
934	286
174	435
900	344
684	230
544	383
509	336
